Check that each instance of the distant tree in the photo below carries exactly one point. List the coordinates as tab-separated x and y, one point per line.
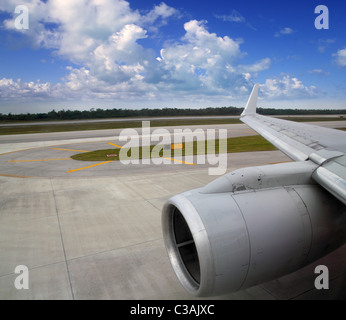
155	112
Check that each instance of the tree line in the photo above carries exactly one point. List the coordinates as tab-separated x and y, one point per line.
165	112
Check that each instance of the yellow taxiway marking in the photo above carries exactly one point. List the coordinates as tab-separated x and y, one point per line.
13	176
93	165
39	160
69	150
279	162
115	145
2	154
191	164
176	146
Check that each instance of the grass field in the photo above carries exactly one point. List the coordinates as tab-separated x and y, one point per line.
62	127
65	126
239	144
312	118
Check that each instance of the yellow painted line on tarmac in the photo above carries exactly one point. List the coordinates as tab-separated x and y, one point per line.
69	150
191	164
13	176
181	161
115	145
39	160
279	162
94	165
3	154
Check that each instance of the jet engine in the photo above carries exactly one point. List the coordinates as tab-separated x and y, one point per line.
250	226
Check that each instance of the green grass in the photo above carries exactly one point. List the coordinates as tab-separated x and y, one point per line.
312	118
239	144
62	127
248	144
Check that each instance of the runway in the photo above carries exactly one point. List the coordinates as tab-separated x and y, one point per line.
95	233
51	157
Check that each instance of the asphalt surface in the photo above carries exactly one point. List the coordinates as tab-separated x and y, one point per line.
51	157
95	233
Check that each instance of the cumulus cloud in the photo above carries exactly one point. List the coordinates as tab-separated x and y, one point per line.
73	28
341	57
81	82
160	12
201	59
100	35
10	89
287	86
256	67
102	38
207	62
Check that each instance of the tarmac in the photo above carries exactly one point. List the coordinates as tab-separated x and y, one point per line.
95	233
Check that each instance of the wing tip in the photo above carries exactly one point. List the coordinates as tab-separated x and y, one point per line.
252	102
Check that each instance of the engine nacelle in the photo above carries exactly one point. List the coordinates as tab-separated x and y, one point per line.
221	238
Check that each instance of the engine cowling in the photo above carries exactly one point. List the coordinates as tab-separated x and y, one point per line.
250	226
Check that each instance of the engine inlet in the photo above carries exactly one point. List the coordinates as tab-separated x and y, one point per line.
185	245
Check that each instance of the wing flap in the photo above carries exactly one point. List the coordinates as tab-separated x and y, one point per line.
283	140
334	183
297	140
323	146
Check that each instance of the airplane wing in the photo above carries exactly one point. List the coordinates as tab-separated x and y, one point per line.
257	224
323	146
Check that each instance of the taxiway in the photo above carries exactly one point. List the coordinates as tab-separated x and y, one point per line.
96	233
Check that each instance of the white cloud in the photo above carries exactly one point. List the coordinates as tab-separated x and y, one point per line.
162	11
113	59
73	28
100	35
259	66
81	84
316	71
206	62
319	72
288	87
235	16
10	89
323	44
341	57
284	31
103	38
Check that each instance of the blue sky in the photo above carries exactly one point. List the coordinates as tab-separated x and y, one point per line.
133	54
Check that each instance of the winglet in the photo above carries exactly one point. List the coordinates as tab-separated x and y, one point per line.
252	102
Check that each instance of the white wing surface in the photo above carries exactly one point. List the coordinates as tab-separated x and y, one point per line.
325	147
